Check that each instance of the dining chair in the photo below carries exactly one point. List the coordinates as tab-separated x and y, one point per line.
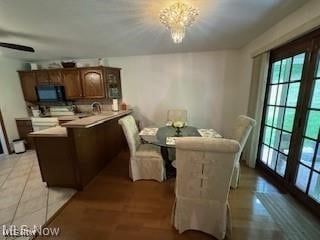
146	161
177	115
204	170
240	133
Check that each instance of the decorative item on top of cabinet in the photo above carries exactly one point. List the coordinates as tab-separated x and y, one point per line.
72	83
93	83
42	77
28	83
113	82
55	77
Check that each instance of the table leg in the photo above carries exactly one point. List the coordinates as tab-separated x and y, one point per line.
170	170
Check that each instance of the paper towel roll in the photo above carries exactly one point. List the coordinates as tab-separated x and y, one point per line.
115	105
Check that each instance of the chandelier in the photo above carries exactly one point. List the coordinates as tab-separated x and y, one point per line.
177	18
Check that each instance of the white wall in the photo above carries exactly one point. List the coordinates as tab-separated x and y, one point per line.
12	104
203	83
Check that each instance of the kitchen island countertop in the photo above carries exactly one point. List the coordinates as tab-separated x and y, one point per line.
57	131
94	120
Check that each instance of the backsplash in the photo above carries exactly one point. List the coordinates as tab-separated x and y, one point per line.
88	108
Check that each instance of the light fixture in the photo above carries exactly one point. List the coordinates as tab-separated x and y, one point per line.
176	18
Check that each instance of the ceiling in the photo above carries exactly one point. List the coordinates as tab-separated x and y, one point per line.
69	29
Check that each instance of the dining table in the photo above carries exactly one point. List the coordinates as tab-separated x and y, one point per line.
165	136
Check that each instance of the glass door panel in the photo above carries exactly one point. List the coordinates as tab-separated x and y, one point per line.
307	177
280	111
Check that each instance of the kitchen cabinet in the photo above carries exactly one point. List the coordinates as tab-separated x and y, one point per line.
42	77
79	83
113	82
72	83
28	83
93	83
24	128
55	77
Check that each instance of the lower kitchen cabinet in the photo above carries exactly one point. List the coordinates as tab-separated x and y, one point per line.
24	128
82	153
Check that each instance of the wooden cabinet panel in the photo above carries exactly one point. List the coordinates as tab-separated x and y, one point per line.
24	128
55	77
93	83
72	83
28	83
42	77
113	80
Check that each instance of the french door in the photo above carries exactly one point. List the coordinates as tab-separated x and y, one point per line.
289	147
308	168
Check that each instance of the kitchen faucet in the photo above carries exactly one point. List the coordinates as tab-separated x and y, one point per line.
96	107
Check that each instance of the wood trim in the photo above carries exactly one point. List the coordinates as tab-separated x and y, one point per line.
294	47
285	38
5	133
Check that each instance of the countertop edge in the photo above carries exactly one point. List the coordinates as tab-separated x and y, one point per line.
50	132
47	135
107	118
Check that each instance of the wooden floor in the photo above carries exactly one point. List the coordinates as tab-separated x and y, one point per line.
113	207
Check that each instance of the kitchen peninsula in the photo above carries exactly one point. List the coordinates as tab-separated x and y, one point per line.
72	154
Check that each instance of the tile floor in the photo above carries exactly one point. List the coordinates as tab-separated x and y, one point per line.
24	198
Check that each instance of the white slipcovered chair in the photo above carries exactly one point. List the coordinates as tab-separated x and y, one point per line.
177	115
240	133
146	161
204	170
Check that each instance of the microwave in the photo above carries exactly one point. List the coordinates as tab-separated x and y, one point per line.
50	93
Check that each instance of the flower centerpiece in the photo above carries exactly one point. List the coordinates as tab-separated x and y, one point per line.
178	125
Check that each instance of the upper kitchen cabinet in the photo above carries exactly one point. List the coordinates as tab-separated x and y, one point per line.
55	77
113	82
28	83
93	83
49	77
42	77
79	83
72	83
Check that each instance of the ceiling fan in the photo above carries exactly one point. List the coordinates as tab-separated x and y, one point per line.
17	47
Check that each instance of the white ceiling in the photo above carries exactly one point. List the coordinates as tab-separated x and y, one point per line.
67	29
